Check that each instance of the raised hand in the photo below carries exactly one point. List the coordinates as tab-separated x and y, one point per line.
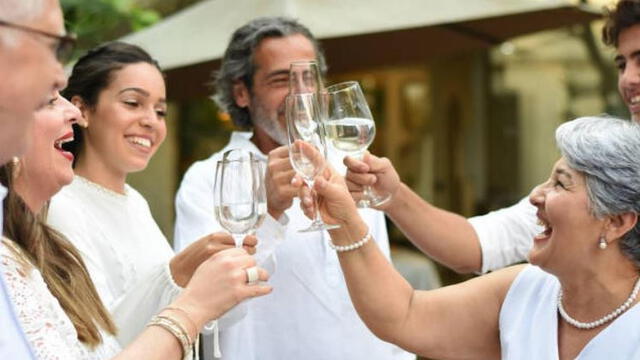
220	283
187	261
374	171
334	201
280	191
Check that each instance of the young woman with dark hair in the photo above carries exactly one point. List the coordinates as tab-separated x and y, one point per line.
121	94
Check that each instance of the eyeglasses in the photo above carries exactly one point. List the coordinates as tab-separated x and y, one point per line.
64	48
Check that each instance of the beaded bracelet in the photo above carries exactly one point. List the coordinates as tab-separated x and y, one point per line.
176	329
356	245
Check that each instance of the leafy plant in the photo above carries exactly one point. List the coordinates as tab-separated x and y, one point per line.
97	21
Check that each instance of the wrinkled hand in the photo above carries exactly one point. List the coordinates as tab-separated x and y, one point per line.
374	171
184	263
280	191
334	201
220	283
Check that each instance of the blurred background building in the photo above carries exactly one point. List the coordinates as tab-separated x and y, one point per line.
466	94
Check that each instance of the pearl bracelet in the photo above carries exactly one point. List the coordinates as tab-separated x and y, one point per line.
176	329
356	245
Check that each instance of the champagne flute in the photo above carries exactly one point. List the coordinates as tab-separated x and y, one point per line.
240	200
305	77
307	150
350	129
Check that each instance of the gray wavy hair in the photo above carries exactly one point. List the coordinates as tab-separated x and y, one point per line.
606	151
238	61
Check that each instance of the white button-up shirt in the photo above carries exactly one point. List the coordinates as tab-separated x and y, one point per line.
309	314
506	235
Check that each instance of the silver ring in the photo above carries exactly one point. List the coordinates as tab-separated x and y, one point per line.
252	275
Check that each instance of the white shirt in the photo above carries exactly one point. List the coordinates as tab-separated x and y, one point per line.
506	235
309	314
124	250
529	323
13	343
49	330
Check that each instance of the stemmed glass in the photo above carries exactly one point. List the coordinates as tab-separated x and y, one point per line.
305	77
240	199
350	129
307	150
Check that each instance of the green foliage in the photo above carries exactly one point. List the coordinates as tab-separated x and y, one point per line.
97	21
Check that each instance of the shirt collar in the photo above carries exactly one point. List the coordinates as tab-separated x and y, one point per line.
242	140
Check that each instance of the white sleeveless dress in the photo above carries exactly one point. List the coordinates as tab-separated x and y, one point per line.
529	324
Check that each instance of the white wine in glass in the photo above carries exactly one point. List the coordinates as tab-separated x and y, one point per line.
350	128
239	194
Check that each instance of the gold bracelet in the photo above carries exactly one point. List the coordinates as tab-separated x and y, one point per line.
176	329
187	316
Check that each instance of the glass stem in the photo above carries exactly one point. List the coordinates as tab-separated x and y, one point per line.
238	239
314	197
316	216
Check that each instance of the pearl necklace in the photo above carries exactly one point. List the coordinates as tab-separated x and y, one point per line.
603	320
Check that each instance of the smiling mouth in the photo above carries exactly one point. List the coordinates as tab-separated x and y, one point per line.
546	233
59	146
60	142
634	100
144	142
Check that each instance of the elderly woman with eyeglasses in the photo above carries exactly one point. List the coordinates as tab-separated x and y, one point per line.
577	298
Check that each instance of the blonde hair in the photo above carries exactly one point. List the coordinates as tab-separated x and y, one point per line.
59	262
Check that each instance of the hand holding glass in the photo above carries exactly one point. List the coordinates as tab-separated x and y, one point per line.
350	129
307	150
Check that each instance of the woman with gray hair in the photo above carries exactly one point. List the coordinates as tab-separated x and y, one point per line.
575	300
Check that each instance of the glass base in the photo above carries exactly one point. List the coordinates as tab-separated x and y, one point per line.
373	201
319	226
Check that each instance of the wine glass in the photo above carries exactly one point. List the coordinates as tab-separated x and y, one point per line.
304	77
240	199
307	150
350	129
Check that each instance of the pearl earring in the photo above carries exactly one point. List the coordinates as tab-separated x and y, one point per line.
603	243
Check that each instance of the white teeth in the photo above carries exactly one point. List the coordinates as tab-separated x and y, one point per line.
540	222
140	141
58	143
635	100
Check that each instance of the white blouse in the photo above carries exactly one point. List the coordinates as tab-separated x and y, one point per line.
124	250
47	327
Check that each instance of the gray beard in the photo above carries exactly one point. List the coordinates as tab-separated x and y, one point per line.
272	128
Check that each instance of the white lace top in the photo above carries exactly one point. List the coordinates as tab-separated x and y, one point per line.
47	327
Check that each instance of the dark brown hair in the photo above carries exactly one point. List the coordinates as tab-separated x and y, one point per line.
93	73
59	263
625	14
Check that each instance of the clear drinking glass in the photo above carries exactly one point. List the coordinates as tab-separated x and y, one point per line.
240	200
305	77
307	150
350	128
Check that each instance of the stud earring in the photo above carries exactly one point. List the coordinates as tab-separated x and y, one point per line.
602	243
83	123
